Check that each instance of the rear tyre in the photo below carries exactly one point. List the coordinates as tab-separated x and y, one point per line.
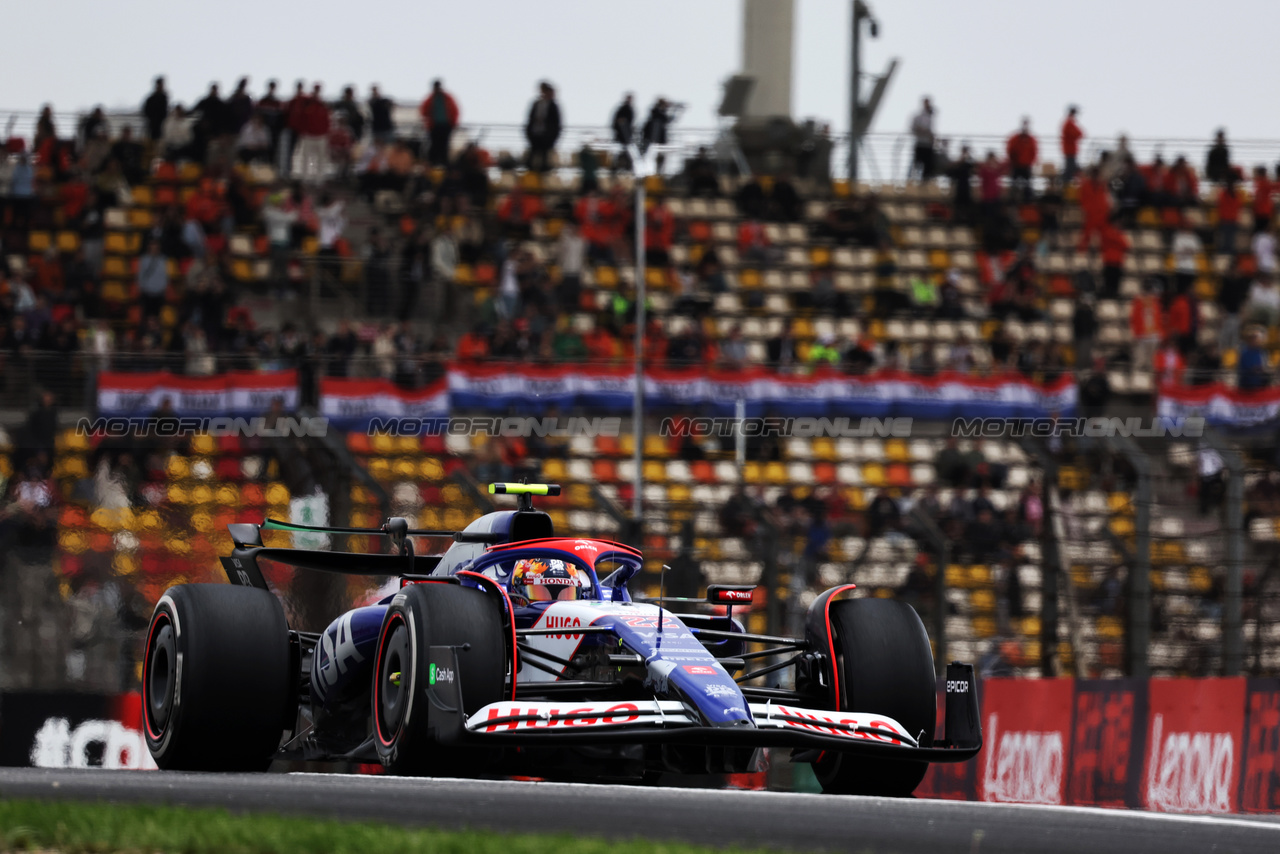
216	678
884	664
422	616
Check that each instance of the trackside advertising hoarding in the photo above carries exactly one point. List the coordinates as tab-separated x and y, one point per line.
1170	745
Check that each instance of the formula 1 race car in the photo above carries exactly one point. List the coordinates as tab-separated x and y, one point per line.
520	652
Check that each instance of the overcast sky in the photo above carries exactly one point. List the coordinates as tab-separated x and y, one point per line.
1152	68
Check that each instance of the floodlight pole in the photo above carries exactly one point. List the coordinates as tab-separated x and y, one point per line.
855	62
637	407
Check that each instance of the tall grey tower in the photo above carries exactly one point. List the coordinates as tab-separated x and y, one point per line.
768	33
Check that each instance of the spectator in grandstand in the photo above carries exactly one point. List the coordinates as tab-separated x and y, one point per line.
279	217
1115	247
656	128
1071	136
381	123
348	109
1264	301
785	204
951	464
155	109
961	172
1168	362
1084	327
1263	245
271	109
1229	204
1252	367
883	516
177	138
922	160
1095	390
1217	164
1186	254
1023	153
989	175
253	145
517	212
313	145
1205	365
701	175
131	156
542	128
153	279
1146	324
659	234
239	108
1264	201
623	125
439	113
1095	207
212	121
1233	293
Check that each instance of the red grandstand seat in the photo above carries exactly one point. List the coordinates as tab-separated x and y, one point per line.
227	468
824	472
604	471
229	445
898	474
607	446
358	443
251	495
434	445
703	471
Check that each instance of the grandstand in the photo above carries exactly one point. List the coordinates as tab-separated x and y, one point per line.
855	280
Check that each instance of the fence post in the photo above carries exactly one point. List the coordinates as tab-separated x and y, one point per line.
1233	589
1050	560
1138	633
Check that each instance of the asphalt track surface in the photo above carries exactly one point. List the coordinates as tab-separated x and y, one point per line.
715	817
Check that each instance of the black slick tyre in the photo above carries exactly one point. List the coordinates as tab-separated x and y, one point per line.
422	616
217	678
884	664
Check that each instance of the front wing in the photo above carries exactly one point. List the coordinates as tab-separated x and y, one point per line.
657	721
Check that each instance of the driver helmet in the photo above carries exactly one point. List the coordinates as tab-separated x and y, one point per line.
548	580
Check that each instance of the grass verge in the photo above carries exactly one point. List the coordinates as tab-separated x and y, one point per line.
95	828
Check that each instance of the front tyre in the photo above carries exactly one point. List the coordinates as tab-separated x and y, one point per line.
216	678
419	617
883	663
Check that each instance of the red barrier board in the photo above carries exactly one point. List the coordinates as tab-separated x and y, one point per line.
1193	747
1260	776
1107	742
1026	730
952	781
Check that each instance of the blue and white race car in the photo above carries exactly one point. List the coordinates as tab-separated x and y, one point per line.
520	652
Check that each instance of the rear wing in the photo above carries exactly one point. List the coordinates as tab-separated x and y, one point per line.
242	566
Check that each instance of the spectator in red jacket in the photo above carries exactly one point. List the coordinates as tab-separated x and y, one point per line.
440	115
659	234
313	147
1146	325
1229	204
1181	322
1115	246
1071	136
1264	202
517	211
1095	207
1181	191
1023	153
594	216
753	242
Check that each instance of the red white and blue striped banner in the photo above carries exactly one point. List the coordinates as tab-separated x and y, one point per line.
531	390
354	403
1220	404
234	393
879	395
